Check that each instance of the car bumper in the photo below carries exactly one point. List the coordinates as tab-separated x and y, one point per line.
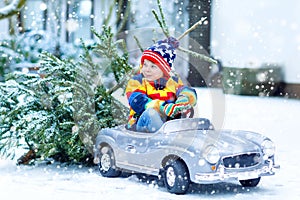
222	174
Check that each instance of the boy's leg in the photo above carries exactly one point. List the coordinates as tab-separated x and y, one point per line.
149	121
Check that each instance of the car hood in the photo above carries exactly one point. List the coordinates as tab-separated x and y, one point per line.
227	141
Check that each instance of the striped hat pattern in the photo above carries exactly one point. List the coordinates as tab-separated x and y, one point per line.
162	53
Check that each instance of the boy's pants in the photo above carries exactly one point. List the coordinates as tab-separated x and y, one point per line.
149	121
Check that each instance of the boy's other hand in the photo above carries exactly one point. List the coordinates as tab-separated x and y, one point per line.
172	110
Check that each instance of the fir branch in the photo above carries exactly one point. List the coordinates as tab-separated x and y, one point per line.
164	28
86	54
163	18
166	32
197	55
108	17
120	84
125	16
119	3
138	43
122	81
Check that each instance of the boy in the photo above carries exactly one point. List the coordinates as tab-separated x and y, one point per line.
155	95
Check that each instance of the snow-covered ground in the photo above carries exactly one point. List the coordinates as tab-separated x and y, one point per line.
277	118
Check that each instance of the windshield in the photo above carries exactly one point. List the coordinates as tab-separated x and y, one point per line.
187	124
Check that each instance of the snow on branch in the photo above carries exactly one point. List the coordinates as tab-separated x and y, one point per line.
11	9
192	28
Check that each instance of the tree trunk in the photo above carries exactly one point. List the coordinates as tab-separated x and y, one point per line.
200	43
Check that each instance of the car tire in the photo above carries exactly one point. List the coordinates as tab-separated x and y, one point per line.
250	182
176	177
107	166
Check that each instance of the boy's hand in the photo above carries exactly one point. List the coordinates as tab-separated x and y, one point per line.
172	109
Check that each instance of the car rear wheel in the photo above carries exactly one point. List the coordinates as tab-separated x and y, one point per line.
176	177
107	166
250	182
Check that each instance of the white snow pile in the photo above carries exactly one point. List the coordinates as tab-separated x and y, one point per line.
277	118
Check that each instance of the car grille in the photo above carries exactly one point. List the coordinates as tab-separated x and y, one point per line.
242	160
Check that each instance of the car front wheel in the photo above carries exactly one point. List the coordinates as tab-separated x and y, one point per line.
176	177
107	166
250	182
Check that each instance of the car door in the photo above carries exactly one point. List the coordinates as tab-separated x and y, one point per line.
139	151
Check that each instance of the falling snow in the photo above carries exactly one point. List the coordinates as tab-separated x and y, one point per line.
243	40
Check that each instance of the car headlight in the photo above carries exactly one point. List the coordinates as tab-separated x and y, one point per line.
212	154
268	148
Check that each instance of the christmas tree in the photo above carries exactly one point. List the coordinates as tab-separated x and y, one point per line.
59	115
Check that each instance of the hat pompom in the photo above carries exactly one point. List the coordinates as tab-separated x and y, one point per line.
173	42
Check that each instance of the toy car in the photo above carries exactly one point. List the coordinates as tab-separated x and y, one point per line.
184	151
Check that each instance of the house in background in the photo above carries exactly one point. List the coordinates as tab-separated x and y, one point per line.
255	33
242	34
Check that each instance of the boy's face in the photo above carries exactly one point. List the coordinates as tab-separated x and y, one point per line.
151	71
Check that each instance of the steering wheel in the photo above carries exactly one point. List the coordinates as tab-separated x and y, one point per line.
189	113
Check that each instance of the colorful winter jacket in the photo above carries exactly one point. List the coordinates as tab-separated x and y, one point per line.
142	94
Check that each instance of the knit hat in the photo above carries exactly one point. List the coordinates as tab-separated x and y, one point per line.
162	53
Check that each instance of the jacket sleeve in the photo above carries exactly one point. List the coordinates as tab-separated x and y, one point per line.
137	101
136	94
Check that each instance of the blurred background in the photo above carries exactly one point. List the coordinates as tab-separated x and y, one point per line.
257	42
